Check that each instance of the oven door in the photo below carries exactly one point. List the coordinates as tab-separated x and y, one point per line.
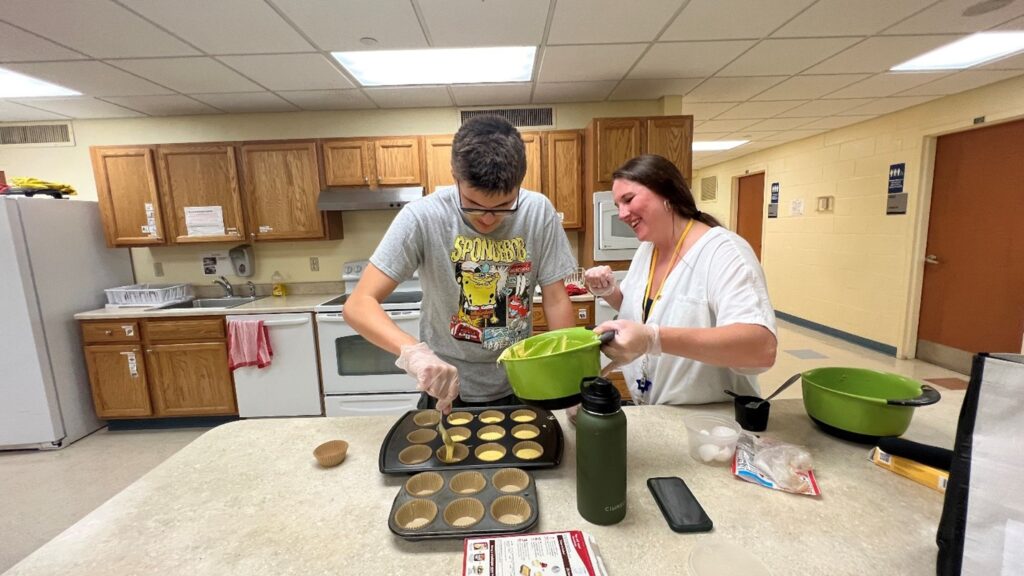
350	364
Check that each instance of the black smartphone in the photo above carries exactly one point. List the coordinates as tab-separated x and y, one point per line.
680	508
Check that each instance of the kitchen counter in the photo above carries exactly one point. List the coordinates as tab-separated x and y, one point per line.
248	498
580	298
266	305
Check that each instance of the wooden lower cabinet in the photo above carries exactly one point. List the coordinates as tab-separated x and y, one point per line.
190	379
582	314
117	375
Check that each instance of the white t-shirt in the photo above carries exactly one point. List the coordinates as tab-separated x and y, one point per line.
718	282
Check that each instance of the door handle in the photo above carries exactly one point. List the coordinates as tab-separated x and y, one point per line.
931	259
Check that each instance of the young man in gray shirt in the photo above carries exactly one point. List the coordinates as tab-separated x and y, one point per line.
481	247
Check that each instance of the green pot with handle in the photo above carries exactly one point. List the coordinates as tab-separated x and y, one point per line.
546	369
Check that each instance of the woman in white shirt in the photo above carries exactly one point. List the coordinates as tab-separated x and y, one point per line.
694	315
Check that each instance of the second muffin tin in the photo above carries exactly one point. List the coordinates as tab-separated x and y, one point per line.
453	504
521	436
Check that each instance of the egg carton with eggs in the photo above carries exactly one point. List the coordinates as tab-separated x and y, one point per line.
525	437
458	504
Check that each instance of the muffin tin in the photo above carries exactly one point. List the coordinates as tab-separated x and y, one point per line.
521	436
457	504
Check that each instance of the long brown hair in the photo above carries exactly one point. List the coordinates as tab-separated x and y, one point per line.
661	176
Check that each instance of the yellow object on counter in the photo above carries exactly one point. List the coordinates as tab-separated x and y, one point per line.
37	184
279	288
931	477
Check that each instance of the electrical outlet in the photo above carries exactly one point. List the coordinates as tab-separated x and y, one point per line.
314	264
158	269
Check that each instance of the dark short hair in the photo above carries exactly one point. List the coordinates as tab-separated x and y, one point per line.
659	175
489	155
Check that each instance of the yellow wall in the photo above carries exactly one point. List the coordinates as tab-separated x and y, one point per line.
856	269
363	230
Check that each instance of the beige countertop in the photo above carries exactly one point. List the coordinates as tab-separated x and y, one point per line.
248	498
265	305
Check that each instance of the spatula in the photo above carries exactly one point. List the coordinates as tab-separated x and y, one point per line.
449	446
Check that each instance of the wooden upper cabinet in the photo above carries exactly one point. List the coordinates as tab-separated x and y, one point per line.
373	162
564	175
190	379
117	375
397	161
533	180
200	191
282	183
126	184
617	140
438	150
672	137
347	162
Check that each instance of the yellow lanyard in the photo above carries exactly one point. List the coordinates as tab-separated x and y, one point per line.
650	276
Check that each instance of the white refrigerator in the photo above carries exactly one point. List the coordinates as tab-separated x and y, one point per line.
53	264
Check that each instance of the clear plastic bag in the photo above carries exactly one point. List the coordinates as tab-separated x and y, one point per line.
775	464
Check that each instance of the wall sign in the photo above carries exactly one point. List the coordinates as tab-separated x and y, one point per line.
773	205
896	200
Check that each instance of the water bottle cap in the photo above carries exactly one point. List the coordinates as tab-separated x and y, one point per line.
600	396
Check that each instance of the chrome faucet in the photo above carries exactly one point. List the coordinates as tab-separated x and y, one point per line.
223	283
252	289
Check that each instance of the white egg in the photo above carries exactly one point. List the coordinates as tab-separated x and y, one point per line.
707	452
723	432
704	433
725	454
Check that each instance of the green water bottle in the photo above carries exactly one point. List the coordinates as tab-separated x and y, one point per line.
600	453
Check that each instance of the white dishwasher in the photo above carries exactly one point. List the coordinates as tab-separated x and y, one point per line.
290	386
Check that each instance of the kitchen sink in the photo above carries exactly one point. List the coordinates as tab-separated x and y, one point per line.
212	303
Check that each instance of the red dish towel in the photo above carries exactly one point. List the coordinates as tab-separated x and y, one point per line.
248	344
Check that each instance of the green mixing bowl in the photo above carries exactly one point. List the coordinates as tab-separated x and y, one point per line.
546	369
863	405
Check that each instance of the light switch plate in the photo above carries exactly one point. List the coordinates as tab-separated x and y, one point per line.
158	269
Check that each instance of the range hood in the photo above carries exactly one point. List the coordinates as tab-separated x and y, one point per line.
332	199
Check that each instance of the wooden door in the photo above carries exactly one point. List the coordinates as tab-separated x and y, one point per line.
672	137
564	175
282	185
201	178
191	379
347	162
618	140
126	186
117	376
439	162
397	161
533	180
750	210
972	298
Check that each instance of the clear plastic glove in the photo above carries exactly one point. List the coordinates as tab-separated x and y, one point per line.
632	340
433	375
599	281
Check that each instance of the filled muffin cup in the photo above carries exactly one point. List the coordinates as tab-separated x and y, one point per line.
490	452
490	433
527	450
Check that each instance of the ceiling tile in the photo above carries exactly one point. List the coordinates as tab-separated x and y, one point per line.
247	102
731	89
18	45
706	110
807	87
410	97
609	21
336	26
705	136
790	135
833	122
748	135
328	99
888	105
1008	63
771	57
491	94
80	107
687	59
11	112
290	71
724	126
760	109
947	16
716	19
966	80
886	84
880	53
846	18
172	105
816	108
224	26
653	89
98	28
190	75
522	22
91	78
583	63
548	93
773	124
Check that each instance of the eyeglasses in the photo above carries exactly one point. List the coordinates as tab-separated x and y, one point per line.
481	211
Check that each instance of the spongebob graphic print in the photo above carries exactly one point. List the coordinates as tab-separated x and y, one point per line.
494	291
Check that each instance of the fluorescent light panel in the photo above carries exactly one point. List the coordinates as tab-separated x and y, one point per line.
966	52
439	65
15	85
714	145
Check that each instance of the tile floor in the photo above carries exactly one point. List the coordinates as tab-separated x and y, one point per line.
42	493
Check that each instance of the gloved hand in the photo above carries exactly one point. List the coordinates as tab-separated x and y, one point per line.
599	280
433	375
571	413
632	340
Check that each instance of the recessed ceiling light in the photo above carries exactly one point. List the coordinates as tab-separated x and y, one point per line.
966	52
15	85
439	65
712	145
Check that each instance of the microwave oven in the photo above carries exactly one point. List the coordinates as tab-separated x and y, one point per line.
613	238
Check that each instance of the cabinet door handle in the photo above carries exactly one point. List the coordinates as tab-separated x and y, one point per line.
108	332
366	179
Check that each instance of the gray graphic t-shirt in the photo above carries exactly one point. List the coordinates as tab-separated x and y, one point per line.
477	289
